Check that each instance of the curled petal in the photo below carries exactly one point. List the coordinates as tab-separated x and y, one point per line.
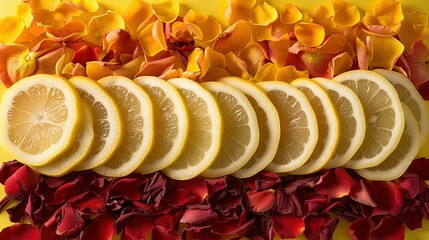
254	56
333	44
363	53
85	54
390	227
290	14
44	4
324	16
209	27
98	26
386	13
101	228
84	5
127	188
309	34
22	183
71	221
197	216
334	184
266	73
120	43
129	69
346	14
287	226
167	10
236	66
261	201
137	228
320	226
411	185
212	59
195	187
20	231
23	11
195	60
152	38
412	29
135	13
340	63
289	73
214	74
11	29
96	70
278	50
8	169
418	60
156	67
389	198
316	62
235	38
263	13
69	32
363	192
64	12
360	228
412	218
238	10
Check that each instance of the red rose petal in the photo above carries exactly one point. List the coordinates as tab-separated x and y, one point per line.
197	216
360	229
334	184
71	221
8	169
170	219
232	226
161	233
85	54
263	180
128	188
89	202
306	182
137	228
178	197
390	227
101	228
4	202
363	192
196	187
201	233
316	202
17	212
420	166
287	226
411	185
262	201
389	198
69	190
288	203
22	183
20	231
320	226
412	218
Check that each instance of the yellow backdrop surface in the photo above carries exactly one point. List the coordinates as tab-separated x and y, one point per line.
217	9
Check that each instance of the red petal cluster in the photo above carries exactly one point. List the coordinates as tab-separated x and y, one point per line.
84	205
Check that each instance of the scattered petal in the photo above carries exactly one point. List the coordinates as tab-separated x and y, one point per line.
387	13
85	54
209	27
346	14
418	60
167	11
71	221
100	25
135	13
290	73
309	34
263	13
238	10
287	226
340	63
137	228
234	38
320	227
390	227
152	38
412	29
360	228
261	201
290	14
23	11
84	5
335	183
100	228
266	73
197	216
236	66
20	231
22	183
11	29
389	198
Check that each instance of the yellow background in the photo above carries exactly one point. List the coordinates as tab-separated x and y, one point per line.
217	8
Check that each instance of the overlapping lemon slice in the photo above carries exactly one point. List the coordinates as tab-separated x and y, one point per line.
268	124
352	121
383	113
108	126
398	161
171	123
41	116
205	133
241	132
299	130
328	125
137	114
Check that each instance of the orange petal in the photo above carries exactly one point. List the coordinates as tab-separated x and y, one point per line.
290	14
20	62
214	74
290	73
339	64
280	30
195	60
363	53
309	34
70	32
185	30
266	73
96	70
84	5
131	68
316	63
324	16
239	10
254	56
11	29
98	26
165	10
47	63
261	33
157	67
64	12
44	4
235	66
263	14
234	38
23	11
386	49
152	38
212	59
63	60
134	13
279	50
333	44
386	13
346	14
412	29
209	27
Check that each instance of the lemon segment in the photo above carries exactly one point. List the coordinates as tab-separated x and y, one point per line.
328	125
171	123
400	159
268	124
80	148
205	133
299	130
41	115
241	132
137	115
384	116
108	126
352	121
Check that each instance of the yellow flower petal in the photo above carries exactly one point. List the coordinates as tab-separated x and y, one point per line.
84	5
254	56
263	14
71	31
386	13
17	61
152	38
333	44
290	14
266	73
235	66
11	29
46	64
234	38
386	49
346	14
290	73
309	34
23	11
209	27
134	13
412	29
340	63
261	33
195	60
44	4
165	10
279	50
64	13
212	59
324	16
214	74
102	24
363	53
96	70
238	10
131	68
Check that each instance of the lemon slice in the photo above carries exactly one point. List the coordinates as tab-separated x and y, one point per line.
352	121
268	124
241	132
400	159
383	113
78	151
205	133
137	115
328	125
424	149
108	126
40	118
299	131
409	95
171	123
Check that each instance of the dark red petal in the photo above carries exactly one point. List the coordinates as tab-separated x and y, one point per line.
71	221
89	202
287	226
22	183
178	197
101	228
161	233
412	218
261	229
320	226
4	202
315	203
196	187
85	54
197	216
288	203
170	219
128	188
232	226
360	229
297	183
17	212
262	201
263	180
334	184
411	185
389	198
420	167
69	190
8	169
389	228
363	192
20	231
137	228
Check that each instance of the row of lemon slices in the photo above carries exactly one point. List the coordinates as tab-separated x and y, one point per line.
371	121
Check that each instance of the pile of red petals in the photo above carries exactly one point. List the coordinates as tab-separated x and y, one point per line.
84	205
